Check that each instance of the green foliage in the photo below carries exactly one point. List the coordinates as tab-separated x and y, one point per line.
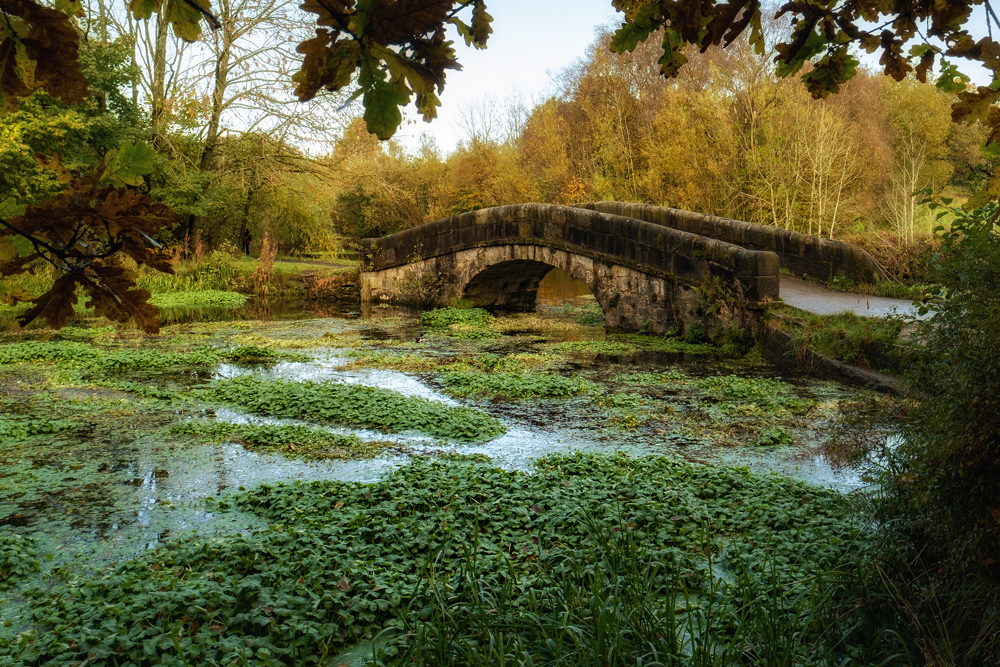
357	405
775	436
443	318
672	375
18	559
866	341
287	439
14	428
771	395
92	358
942	477
605	347
256	354
514	385
337	562
203	299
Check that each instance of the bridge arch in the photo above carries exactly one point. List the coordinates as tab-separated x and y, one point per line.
643	275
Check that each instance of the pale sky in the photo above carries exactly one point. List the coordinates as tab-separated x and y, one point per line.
531	39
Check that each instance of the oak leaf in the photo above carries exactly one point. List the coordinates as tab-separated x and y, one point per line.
399	21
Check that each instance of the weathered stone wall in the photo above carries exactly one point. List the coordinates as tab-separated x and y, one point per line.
507	277
661	252
799	253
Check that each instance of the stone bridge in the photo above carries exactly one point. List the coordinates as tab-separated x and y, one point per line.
645	276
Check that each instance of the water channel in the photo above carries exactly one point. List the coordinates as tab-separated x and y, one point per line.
123	484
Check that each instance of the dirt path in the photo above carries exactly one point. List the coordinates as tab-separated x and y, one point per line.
815	298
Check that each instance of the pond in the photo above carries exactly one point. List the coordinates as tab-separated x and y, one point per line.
109	478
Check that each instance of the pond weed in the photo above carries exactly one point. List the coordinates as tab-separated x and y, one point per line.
354	404
291	440
514	386
448	551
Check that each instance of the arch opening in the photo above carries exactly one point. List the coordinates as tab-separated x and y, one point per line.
510	285
558	288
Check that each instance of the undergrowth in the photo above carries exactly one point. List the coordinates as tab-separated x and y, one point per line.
865	341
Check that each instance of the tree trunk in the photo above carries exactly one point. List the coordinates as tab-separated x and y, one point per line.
159	78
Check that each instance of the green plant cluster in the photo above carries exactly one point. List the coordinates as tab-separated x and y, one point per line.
12	428
257	354
291	440
648	379
590	314
443	318
622	400
514	385
605	347
144	390
73	354
771	395
201	299
774	436
602	540
866	341
18	559
356	405
92	358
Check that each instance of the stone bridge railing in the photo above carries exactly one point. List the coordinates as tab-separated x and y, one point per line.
653	249
799	253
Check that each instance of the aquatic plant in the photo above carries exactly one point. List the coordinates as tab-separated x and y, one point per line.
292	440
256	354
18	558
201	299
13	428
514	385
772	395
443	318
606	542
775	436
355	404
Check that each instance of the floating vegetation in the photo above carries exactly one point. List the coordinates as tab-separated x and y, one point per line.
604	347
775	436
489	362
339	562
398	362
18	559
444	318
515	385
256	354
648	379
291	440
202	299
15	428
355	404
770	395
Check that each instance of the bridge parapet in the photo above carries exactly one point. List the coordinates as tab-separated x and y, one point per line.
802	254
650	248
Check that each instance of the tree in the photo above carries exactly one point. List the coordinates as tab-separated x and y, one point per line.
393	52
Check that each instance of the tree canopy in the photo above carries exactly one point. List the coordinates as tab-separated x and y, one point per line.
393	53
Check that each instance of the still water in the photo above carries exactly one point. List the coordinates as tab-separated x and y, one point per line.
124	484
